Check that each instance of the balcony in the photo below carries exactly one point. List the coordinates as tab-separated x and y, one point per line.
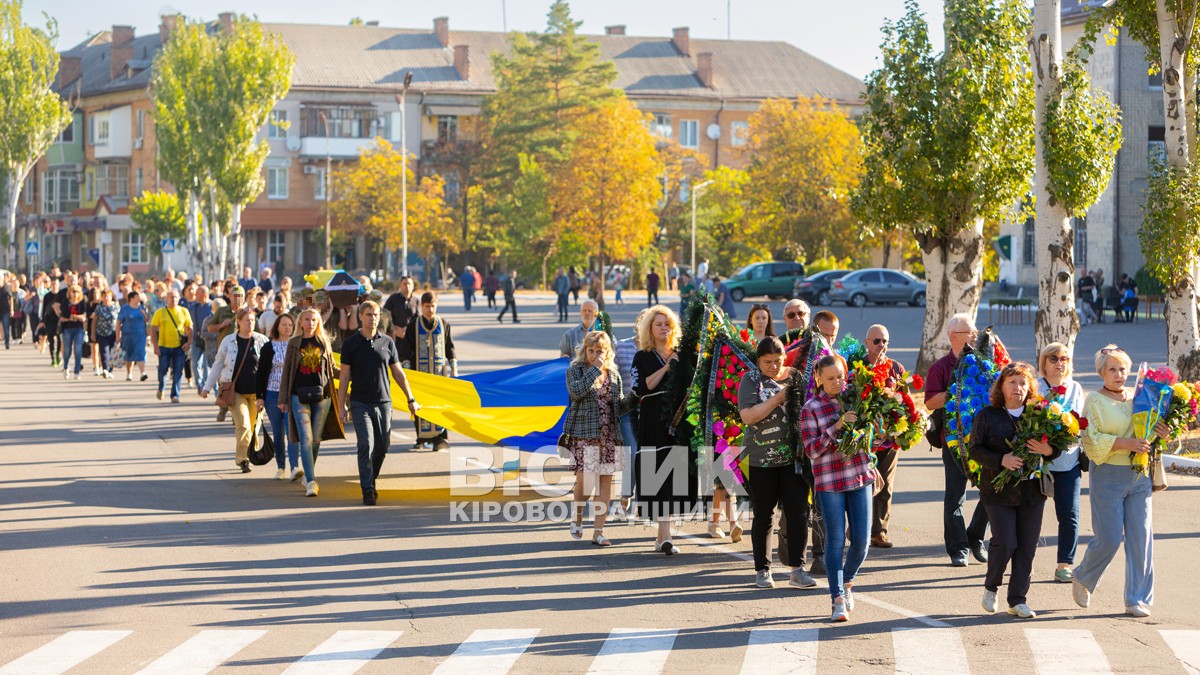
448	151
338	148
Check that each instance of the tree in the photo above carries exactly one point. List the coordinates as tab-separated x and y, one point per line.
430	220
948	144
33	113
607	190
731	235
157	216
804	165
1168	235
682	168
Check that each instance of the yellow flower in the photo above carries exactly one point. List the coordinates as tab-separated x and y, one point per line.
1182	392
902	426
1071	423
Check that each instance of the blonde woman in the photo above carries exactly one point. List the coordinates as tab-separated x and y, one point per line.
1054	365
593	428
73	318
1119	496
237	363
306	391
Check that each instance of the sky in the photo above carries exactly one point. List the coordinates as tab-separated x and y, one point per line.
844	33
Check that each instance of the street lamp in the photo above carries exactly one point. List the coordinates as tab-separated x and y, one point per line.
696	192
404	177
325	179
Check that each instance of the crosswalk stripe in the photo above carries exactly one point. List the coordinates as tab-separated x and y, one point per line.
202	652
935	651
1186	645
488	652
781	650
634	651
344	653
1066	652
64	652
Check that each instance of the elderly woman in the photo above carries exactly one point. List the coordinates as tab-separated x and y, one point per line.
1119	496
593	427
1054	365
1015	511
237	364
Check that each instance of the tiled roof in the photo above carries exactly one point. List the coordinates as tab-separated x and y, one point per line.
372	57
1074	11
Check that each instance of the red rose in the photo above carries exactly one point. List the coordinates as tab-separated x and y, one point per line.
1061	390
726	351
1044	438
866	394
733	431
745	335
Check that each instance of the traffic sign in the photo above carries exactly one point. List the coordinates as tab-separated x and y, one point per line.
168	245
32	248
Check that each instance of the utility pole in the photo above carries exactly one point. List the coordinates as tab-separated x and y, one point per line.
328	165
404	176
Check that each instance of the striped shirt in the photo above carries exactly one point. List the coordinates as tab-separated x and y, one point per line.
833	471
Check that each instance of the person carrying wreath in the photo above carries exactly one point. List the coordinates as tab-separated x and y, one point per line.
1015	511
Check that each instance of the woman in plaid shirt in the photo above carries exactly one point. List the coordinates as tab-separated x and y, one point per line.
843	484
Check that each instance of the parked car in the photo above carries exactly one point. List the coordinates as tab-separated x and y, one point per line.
815	289
772	279
880	286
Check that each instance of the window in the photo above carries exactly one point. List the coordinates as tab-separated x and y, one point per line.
869	278
662	125
319	184
133	249
29	188
894	278
137	185
447	129
60	191
68	134
277	182
102	132
1080	252
273	128
738	133
112	179
275	246
91	130
141	124
685	190
1029	246
346	122
1156	143
1155	80
689	133
760	272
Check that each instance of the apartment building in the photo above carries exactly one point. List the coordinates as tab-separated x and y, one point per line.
700	93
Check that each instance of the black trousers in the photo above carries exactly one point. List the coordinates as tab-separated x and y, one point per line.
778	486
508	302
959	536
651	298
1015	532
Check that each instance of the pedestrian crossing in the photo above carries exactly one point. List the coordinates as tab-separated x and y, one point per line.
628	651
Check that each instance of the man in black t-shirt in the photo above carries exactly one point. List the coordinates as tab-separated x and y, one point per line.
367	358
403	307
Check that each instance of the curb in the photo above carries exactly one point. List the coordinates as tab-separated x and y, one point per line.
1181	465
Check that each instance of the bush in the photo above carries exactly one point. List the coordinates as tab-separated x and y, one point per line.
828	263
1148	284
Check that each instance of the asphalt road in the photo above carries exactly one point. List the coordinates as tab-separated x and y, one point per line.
130	543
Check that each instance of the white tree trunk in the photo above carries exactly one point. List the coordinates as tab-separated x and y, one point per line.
1183	333
953	280
1056	320
235	238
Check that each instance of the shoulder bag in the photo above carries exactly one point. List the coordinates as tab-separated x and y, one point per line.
225	393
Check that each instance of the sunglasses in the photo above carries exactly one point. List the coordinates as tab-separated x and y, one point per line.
758	307
1110	350
795	315
1058	359
879	341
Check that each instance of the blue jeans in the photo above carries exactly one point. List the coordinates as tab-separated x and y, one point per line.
373	430
279	429
1121	509
467	297
562	306
170	357
1066	508
6	321
838	508
310	420
629	438
72	344
199	364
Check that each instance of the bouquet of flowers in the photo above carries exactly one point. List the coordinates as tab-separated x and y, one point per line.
884	407
978	367
1043	420
1161	397
909	423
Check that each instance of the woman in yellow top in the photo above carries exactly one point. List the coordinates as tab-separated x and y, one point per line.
1119	496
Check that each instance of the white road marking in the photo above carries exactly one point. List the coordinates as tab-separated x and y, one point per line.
488	652
1186	645
64	652
634	651
1066	652
344	653
202	652
931	651
781	651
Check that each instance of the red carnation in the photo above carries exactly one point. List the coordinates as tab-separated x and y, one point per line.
918	382
745	335
726	351
733	431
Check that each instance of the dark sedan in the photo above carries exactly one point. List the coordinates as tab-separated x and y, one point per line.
815	289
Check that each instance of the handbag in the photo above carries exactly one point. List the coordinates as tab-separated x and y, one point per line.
564	445
260	454
1046	483
310	395
225	392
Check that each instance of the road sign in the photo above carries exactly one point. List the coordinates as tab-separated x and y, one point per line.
168	245
32	248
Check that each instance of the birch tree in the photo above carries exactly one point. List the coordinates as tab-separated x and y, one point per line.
32	112
1076	144
948	144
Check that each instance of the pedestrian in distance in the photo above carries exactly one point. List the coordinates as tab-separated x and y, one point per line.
491	284
770	442
574	282
236	365
509	286
562	290
307	396
592	429
73	323
48	326
467	282
843	484
1054	364
270	378
652	284
104	327
724	299
8	307
131	335
1120	497
367	360
1015	511
170	332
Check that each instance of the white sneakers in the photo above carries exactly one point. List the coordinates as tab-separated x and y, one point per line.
1139	610
735	532
1082	596
762	579
313	489
989	602
297	474
281	474
715	531
801	579
840	613
1022	611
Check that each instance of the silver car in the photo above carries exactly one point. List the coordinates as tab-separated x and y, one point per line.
880	286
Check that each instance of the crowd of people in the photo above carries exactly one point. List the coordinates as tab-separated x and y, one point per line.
844	503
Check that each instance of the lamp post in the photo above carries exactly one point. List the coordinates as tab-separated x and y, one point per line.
404	176
696	192
325	179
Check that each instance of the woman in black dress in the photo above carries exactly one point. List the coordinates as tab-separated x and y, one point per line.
664	478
